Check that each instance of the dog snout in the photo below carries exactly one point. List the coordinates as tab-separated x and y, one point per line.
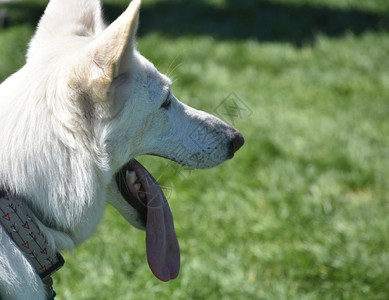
236	142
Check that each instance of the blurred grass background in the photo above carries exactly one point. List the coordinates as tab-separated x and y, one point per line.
301	212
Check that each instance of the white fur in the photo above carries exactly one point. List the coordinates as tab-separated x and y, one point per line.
85	103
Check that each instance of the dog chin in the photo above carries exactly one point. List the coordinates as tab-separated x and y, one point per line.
196	161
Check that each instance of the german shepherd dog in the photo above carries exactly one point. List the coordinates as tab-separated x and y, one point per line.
73	118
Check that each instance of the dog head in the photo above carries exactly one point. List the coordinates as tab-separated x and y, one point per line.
114	87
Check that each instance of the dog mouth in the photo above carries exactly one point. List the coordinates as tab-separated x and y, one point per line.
142	191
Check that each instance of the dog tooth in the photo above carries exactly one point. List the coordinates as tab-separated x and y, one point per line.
131	176
137	186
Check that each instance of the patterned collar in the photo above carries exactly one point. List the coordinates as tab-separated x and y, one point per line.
15	218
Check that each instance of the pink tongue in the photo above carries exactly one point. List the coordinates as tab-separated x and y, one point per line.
163	252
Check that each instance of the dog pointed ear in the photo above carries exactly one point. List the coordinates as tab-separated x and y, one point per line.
109	54
64	18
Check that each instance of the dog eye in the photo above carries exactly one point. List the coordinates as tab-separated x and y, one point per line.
167	102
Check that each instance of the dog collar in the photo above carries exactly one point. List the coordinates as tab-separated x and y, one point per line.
15	218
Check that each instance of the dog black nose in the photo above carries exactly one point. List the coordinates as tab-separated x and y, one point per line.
237	142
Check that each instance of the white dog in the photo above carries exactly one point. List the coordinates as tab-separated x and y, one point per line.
73	119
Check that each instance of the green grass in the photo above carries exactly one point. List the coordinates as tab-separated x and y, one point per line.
301	212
